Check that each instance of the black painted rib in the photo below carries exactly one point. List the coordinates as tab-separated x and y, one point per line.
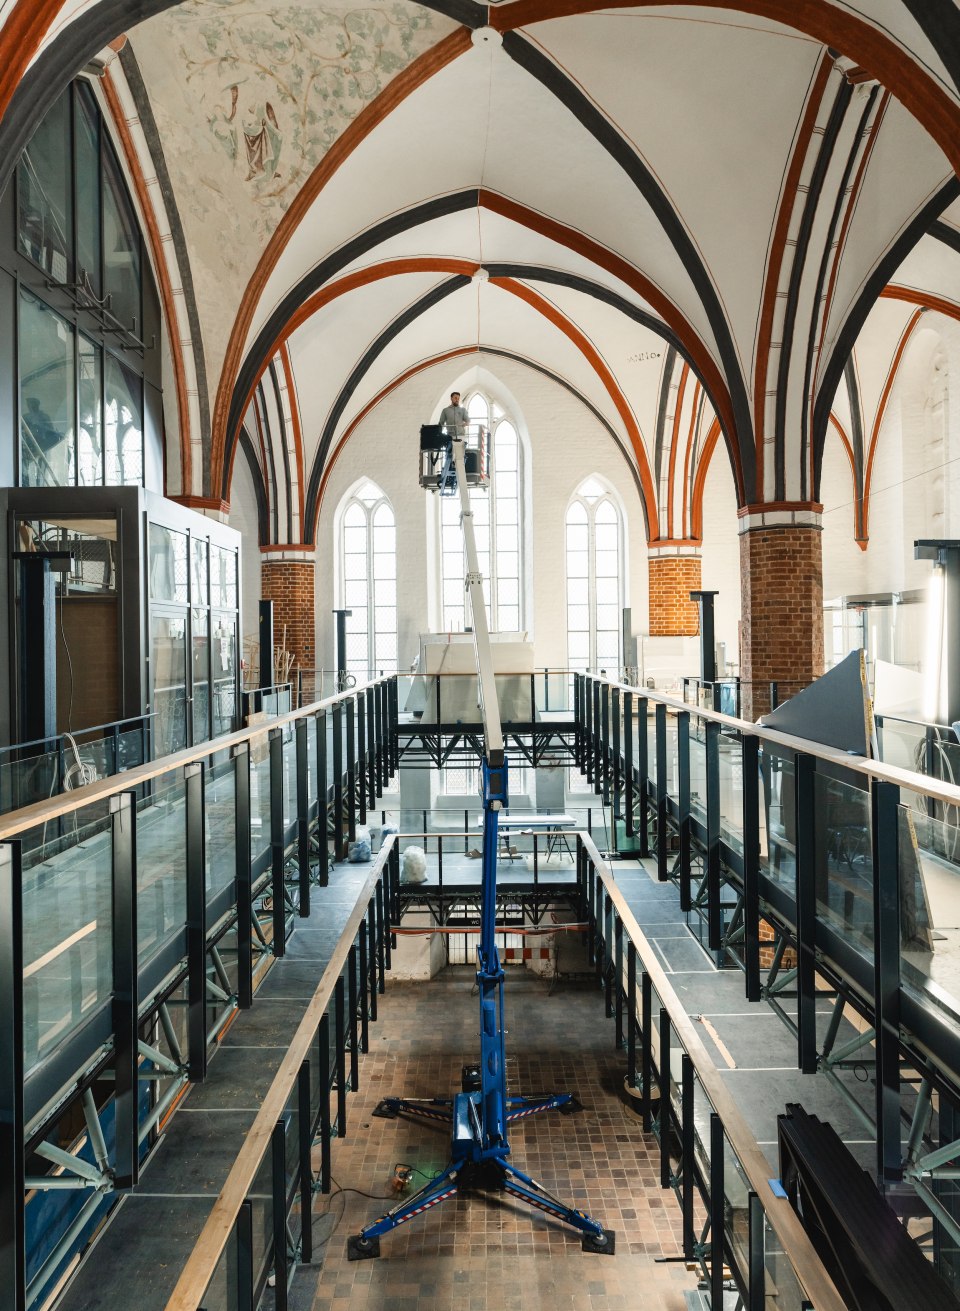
939	21
587	404
539	66
856	424
131	70
695	454
559	278
392	330
804	232
665	385
875	284
852	156
260	404
249	452
945	233
328	268
281	419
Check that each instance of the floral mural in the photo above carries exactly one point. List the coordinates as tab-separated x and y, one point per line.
248	100
279	86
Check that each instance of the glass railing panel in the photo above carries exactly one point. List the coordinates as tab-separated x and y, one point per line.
221	819
161	864
730	764
221	1293
929	855
781	1287
778	832
698	770
843	864
261	1203
311	761
22	782
289	778
736	1210
259	796
554	692
291	1119
903	743
67	926
673	772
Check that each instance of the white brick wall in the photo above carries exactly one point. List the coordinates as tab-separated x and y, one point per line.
566	444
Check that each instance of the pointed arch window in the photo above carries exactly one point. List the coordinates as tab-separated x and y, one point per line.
594	560
368	579
497	525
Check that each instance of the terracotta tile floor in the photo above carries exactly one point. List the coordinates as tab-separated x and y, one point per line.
485	1250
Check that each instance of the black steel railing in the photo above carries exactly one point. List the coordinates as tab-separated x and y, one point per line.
143	908
848	867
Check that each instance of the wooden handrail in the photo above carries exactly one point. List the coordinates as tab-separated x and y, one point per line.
948	793
202	1262
42	812
784	1221
210	1246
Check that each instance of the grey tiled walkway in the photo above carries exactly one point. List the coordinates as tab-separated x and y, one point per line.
139	1255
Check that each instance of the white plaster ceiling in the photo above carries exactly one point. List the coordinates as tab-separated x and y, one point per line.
250	99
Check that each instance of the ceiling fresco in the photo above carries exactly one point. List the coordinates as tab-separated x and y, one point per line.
248	99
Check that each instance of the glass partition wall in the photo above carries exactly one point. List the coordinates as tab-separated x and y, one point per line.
174	576
87	312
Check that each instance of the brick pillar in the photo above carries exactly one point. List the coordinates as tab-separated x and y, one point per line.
781	595
674	574
287	580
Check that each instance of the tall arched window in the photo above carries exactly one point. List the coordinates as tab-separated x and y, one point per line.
594	550
368	579
497	526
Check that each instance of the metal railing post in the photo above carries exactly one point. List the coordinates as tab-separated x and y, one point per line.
628	764
712	854
660	713
683	808
277	841
717	1208
885	843
323	803
193	783
750	782
806	902
241	835
303	816
125	996
13	1267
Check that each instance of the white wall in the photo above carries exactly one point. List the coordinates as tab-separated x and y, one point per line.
243	517
566	444
720	571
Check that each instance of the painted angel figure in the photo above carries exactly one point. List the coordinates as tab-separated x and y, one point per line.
263	139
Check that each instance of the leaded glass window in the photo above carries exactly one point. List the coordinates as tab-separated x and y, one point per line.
594	560
498	525
368	580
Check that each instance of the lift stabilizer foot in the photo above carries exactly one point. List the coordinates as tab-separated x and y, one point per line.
386	1110
362	1249
571	1107
604	1246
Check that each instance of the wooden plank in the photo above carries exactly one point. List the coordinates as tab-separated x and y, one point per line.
197	1273
810	1271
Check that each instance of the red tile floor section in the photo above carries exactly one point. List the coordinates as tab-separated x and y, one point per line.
486	1250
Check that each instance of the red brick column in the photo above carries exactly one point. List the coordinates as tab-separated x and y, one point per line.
781	595
674	574
287	575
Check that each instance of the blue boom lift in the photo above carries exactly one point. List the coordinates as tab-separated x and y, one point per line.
480	1113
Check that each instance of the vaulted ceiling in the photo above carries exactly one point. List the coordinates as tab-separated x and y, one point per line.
713	222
